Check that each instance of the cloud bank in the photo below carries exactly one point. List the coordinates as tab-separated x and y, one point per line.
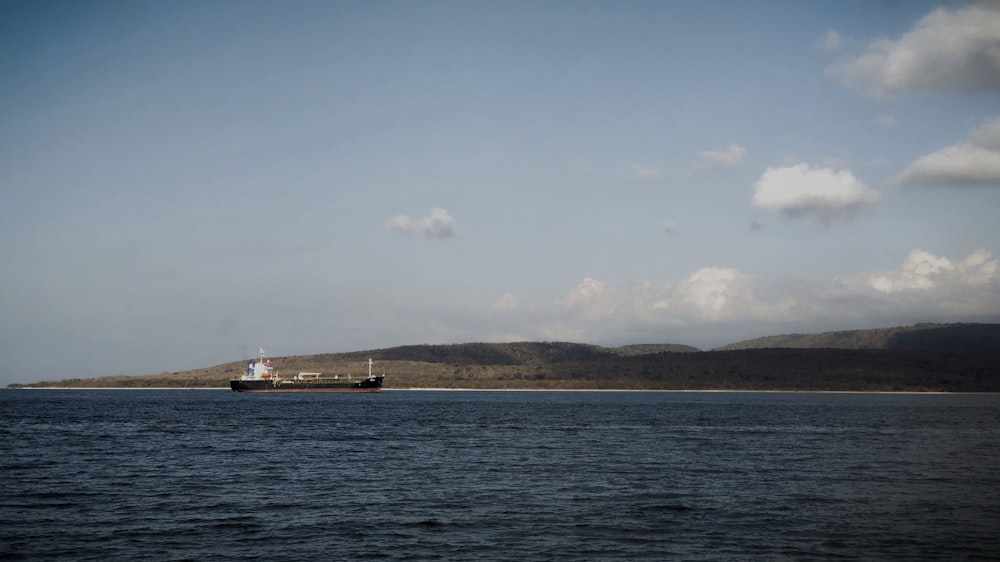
438	225
923	271
973	162
820	193
947	51
716	301
926	286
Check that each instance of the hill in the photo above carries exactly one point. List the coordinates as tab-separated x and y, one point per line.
961	357
953	337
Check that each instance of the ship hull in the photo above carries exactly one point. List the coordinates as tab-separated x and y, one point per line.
365	386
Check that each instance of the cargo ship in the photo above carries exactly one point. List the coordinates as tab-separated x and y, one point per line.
261	377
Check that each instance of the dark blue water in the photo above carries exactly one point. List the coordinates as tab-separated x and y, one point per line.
408	475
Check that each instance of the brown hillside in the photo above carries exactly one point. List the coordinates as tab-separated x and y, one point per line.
961	357
956	337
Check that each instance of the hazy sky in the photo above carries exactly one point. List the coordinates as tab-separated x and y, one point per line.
183	182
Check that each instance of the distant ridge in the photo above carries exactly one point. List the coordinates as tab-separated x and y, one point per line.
924	357
953	337
517	353
650	348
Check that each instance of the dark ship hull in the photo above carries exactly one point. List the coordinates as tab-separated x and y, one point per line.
373	384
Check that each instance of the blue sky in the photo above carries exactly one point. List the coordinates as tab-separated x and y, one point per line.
182	182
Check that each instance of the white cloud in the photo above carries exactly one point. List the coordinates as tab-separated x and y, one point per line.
830	42
713	293
979	268
947	50
924	271
646	173
822	193
708	295
714	304
727	157
973	162
399	223
593	298
963	165
439	224
918	272
925	288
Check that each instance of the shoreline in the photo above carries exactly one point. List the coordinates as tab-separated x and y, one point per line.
119	388
706	390
435	389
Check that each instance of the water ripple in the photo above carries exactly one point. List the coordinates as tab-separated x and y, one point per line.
210	475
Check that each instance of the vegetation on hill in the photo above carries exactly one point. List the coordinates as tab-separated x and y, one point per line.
954	337
918	358
650	348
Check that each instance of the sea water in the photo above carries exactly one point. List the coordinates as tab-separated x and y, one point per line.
452	475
